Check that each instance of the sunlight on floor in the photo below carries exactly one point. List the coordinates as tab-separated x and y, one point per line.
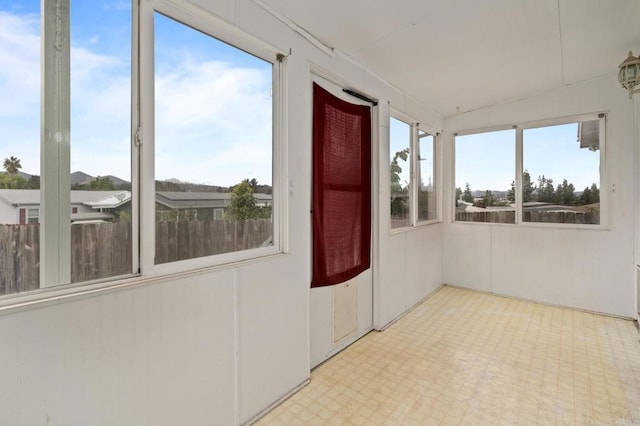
465	358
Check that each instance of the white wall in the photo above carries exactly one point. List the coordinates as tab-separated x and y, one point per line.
586	269
410	260
214	346
9	214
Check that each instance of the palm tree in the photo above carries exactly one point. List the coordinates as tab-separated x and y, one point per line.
11	165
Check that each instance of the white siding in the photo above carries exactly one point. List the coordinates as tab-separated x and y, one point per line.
9	214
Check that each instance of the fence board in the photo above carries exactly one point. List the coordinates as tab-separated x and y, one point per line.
102	250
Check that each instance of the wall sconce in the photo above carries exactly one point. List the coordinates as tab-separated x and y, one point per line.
629	73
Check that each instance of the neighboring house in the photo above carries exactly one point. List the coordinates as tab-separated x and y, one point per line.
199	205
22	206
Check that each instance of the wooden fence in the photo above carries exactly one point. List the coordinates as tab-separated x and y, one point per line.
586	218
102	250
192	239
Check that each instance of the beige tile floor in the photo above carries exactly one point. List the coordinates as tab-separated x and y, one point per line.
468	358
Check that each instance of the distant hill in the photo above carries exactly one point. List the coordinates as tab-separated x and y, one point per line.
78	178
179	186
26	176
116	180
496	193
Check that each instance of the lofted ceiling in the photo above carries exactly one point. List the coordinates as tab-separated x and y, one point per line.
467	54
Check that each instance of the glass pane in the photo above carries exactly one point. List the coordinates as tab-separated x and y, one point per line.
213	146
561	179
426	173
100	178
19	146
399	172
485	169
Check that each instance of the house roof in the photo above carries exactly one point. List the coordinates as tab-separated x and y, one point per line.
176	200
111	201
31	197
114	199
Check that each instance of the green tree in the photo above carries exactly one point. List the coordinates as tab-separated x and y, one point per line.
12	182
242	204
399	194
102	184
33	183
546	192
565	193
596	193
527	187
511	193
590	195
467	195
487	199
12	165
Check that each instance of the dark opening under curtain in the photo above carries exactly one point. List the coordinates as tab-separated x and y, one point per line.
341	188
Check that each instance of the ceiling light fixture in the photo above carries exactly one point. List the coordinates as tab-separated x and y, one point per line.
629	73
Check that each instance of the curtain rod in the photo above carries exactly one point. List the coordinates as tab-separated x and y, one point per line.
360	96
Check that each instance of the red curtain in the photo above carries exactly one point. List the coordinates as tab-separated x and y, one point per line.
341	188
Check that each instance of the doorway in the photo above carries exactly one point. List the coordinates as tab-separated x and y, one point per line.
342	313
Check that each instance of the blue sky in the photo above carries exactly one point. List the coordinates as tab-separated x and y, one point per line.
399	139
487	160
213	115
213	108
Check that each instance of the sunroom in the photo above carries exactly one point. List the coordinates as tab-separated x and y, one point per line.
382	170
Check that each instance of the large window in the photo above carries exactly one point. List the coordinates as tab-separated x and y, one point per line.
170	156
558	180
425	179
561	177
82	80
485	168
213	142
400	136
411	174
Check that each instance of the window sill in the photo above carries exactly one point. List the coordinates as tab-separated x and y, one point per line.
538	225
417	226
47	296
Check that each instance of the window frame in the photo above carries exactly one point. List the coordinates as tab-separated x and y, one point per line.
415	127
434	173
55	19
204	22
602	116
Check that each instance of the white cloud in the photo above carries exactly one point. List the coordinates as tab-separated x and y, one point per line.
20	59
213	119
213	124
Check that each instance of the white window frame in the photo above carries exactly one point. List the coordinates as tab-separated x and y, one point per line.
453	172
32	213
414	125
435	181
206	23
604	193
519	128
55	152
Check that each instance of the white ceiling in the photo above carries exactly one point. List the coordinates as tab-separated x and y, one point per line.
473	53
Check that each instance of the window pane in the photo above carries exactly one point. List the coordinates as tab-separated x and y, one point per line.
426	172
400	170
100	178
213	145
561	178
19	146
485	170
